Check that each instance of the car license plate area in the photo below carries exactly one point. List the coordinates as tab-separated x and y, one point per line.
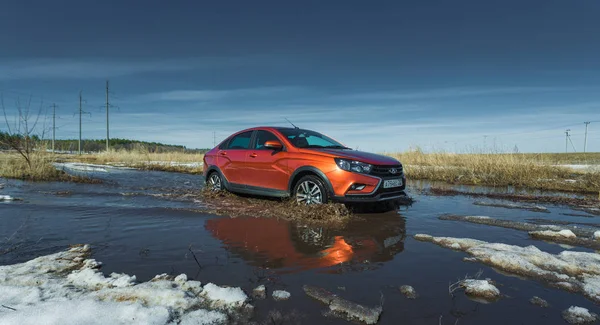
389	183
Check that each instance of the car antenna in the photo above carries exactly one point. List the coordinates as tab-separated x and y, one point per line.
291	123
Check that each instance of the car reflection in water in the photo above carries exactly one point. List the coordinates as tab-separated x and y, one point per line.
287	247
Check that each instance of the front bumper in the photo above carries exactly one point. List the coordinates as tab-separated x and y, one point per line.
378	195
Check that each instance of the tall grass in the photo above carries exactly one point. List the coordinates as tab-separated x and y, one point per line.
12	165
496	169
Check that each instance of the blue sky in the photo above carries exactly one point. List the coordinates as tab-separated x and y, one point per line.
380	76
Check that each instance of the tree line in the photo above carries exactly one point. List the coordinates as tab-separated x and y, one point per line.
92	145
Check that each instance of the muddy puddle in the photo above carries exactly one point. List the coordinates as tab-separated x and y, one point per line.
136	226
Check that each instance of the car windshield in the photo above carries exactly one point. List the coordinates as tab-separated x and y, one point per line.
310	139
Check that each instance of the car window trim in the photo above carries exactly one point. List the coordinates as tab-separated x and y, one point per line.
253	146
252	132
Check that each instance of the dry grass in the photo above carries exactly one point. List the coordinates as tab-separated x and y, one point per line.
497	169
12	165
141	159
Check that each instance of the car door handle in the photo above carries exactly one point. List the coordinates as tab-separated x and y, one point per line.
253	155
223	153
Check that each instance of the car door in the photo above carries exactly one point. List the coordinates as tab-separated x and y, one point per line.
266	168
233	157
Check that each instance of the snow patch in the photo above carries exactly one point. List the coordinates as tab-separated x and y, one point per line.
565	233
67	288
204	317
224	296
84	311
572	271
480	288
6	198
579	315
259	292
279	295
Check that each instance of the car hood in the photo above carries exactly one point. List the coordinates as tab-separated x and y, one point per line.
366	157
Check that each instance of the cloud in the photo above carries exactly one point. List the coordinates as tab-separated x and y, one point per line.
211	95
43	68
448	92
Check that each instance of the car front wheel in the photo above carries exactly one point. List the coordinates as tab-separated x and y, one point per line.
310	190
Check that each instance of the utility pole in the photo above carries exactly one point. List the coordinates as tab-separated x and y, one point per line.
81	112
567	140
107	106
585	139
53	125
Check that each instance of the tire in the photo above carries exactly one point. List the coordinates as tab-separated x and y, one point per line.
214	182
310	190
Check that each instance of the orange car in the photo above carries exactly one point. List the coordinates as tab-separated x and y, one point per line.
304	164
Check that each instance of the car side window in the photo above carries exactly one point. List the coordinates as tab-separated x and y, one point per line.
240	141
262	137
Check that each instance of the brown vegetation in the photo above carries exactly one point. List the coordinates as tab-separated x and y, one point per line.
37	168
225	203
536	171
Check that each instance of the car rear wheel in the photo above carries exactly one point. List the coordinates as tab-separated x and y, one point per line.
215	182
310	190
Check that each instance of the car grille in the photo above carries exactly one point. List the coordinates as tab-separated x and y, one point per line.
384	171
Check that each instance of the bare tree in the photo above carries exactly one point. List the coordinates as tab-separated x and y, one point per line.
21	135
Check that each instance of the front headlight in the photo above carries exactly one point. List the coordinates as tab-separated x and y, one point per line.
353	166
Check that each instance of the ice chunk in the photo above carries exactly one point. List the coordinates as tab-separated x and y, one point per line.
539	302
279	295
6	198
579	315
224	296
565	233
259	292
204	317
181	278
93	279
480	288
408	291
341	307
597	235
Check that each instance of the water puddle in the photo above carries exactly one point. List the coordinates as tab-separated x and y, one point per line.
145	223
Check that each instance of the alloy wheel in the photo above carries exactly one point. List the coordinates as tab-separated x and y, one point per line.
214	181
309	192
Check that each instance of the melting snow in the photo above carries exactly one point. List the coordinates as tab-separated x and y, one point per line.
480	288
573	271
579	315
6	198
204	317
224	297
281	295
565	233
67	288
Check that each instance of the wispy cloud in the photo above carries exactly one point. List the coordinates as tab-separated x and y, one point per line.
210	95
43	68
448	92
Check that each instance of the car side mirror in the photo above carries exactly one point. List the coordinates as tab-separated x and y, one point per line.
273	145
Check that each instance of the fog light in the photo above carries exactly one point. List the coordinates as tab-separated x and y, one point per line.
357	187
